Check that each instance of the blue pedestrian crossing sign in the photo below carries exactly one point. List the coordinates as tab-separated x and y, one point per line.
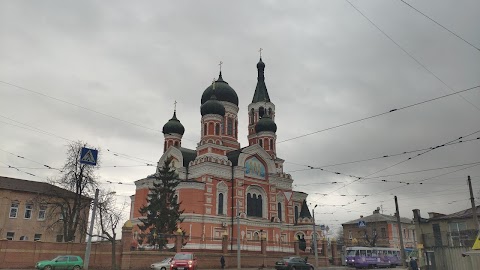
88	156
362	224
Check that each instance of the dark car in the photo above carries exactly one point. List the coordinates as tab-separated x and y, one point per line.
184	261
64	262
293	263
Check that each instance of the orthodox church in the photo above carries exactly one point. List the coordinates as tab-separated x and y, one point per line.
223	184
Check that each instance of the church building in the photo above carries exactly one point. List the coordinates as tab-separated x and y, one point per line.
221	181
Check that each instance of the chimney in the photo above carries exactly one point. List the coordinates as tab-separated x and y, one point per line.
376	211
416	215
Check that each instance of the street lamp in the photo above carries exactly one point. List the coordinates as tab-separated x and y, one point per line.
315	237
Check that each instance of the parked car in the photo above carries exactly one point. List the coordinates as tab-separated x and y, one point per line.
184	261
293	263
63	262
163	265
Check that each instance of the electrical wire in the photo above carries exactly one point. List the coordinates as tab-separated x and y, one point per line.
410	55
379	114
437	23
86	108
370	159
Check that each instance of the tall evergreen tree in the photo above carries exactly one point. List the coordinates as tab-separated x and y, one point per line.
162	212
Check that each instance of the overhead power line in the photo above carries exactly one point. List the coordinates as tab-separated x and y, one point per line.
379	114
437	23
309	167
408	159
410	55
35	129
87	109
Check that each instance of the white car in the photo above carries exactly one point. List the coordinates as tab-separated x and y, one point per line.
163	265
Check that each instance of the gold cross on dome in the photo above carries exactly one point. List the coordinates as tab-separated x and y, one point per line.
175	105
260	51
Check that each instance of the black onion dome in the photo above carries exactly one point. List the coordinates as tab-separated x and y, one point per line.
266	124
173	126
212	106
223	92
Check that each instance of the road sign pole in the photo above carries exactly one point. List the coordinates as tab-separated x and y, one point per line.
90	232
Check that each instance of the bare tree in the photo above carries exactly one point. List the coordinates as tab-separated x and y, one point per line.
73	206
340	237
108	219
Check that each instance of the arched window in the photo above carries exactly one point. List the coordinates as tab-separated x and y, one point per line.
296	214
230	126
255	201
205	129
165	145
236	129
252	116
220	203
270	112
176	143
210	129
222	189
260	142
271	144
261	111
217	129
249	204
279	211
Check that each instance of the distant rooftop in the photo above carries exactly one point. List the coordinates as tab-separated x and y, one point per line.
33	187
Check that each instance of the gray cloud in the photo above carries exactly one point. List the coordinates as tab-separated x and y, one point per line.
325	65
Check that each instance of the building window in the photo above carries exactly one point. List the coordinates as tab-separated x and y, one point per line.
37	237
296	214
165	145
270	112
23	238
458	234
10	235
59	237
28	211
437	234
260	142
220	203
236	129
204	129
261	112
279	211
271	144
254	205
350	235
384	233
252	114
14	210
230	126
217	129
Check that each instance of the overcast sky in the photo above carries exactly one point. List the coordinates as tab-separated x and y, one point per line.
326	65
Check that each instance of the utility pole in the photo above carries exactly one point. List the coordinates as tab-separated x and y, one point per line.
399	225
315	238
90	232
474	208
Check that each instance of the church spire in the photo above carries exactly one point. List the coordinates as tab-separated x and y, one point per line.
261	93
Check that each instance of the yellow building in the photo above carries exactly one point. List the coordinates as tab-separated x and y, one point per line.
29	211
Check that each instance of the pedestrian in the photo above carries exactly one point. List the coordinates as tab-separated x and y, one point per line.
222	262
413	264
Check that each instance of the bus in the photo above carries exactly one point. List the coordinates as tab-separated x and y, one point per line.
372	257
